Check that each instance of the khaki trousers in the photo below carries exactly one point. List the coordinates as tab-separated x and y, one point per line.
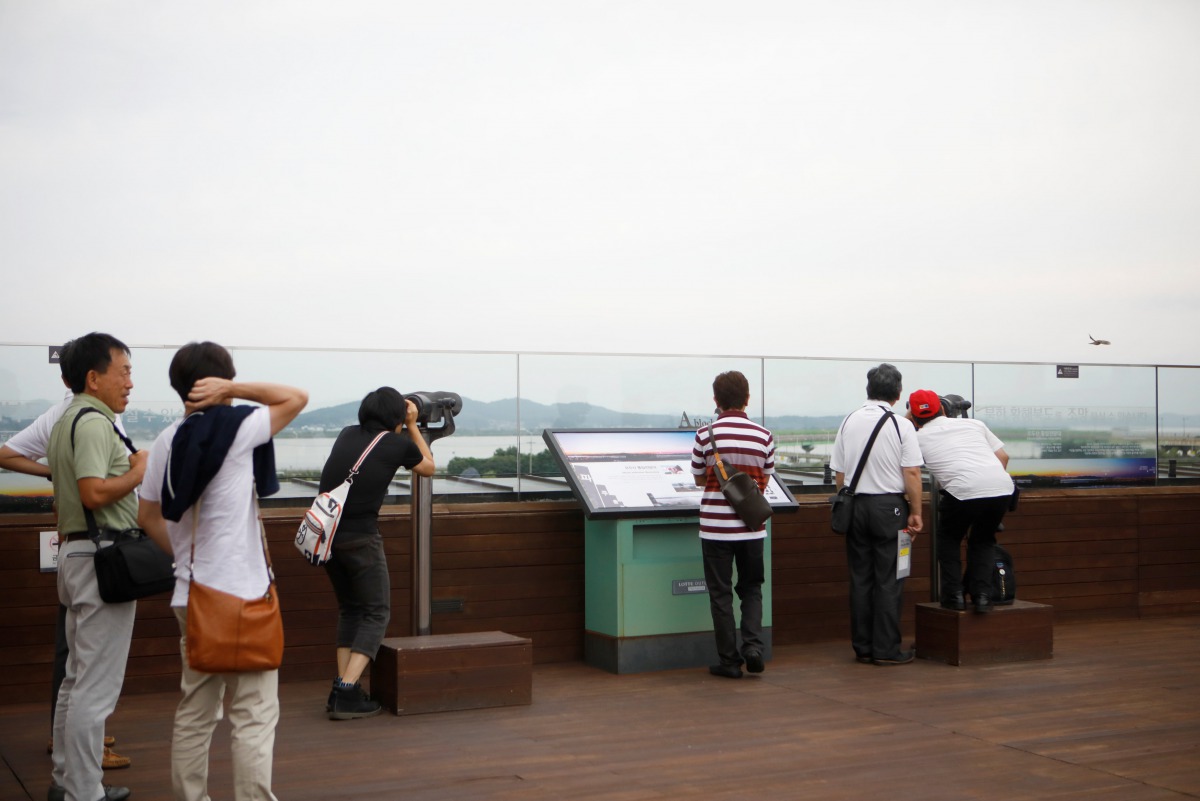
253	713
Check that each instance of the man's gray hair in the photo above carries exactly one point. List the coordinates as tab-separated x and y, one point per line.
884	383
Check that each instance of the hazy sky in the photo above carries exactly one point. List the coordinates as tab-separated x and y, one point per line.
938	179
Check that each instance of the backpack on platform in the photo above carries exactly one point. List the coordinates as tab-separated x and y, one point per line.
1004	577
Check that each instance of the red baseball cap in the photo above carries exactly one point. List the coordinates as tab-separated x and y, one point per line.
924	403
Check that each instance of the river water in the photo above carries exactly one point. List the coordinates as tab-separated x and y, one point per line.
310	453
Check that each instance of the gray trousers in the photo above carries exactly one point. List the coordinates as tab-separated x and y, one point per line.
98	636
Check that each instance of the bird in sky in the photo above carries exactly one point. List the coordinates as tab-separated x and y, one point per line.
1098	341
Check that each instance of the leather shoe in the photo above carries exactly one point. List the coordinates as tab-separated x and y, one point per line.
114	761
903	658
728	671
954	601
863	659
983	603
754	661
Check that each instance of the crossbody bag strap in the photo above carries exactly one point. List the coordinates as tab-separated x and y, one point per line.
93	528
862	461
712	440
262	531
363	458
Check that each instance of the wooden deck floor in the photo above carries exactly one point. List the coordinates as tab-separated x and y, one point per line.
1114	715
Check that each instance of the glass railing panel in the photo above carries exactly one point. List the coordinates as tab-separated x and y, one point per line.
599	391
337	381
1179	423
1099	426
807	399
1085	425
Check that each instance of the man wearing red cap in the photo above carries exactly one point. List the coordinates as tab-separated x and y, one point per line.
970	464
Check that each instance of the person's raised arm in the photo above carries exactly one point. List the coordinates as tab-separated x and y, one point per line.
426	466
283	401
11	460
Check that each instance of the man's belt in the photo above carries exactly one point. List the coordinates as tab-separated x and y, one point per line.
77	536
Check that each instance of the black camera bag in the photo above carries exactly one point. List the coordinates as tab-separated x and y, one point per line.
133	566
842	502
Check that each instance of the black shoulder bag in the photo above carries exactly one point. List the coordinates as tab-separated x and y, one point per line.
843	501
741	490
133	566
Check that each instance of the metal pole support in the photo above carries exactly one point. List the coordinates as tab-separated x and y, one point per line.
421	570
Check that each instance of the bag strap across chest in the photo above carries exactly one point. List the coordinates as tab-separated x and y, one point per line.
357	465
720	465
93	529
862	460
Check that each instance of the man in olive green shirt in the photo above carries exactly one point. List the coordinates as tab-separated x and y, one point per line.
92	468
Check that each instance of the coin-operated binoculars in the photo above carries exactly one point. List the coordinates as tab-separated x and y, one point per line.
432	408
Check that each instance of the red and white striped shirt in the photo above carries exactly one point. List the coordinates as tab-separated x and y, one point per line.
745	445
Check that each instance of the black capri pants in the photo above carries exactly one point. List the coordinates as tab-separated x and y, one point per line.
359	574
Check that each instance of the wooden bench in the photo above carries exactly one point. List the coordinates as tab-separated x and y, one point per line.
444	672
1015	633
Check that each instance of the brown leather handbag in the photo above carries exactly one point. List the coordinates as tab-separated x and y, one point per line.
228	634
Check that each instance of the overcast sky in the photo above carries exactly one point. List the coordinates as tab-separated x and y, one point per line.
939	179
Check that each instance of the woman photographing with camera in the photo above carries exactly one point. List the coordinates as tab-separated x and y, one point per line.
386	438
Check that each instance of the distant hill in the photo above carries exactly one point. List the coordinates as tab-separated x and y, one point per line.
500	417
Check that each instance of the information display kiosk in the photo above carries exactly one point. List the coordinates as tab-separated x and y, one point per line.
646	603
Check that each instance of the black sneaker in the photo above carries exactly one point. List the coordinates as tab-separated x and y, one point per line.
754	661
726	671
350	703
954	601
983	603
902	658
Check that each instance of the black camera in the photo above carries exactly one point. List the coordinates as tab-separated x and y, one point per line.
435	407
954	405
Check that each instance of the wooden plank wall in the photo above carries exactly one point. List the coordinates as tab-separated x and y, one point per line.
519	568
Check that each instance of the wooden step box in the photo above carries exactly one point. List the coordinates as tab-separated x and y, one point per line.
1016	633
444	672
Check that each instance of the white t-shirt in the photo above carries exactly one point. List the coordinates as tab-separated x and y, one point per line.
33	441
882	473
229	549
961	454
